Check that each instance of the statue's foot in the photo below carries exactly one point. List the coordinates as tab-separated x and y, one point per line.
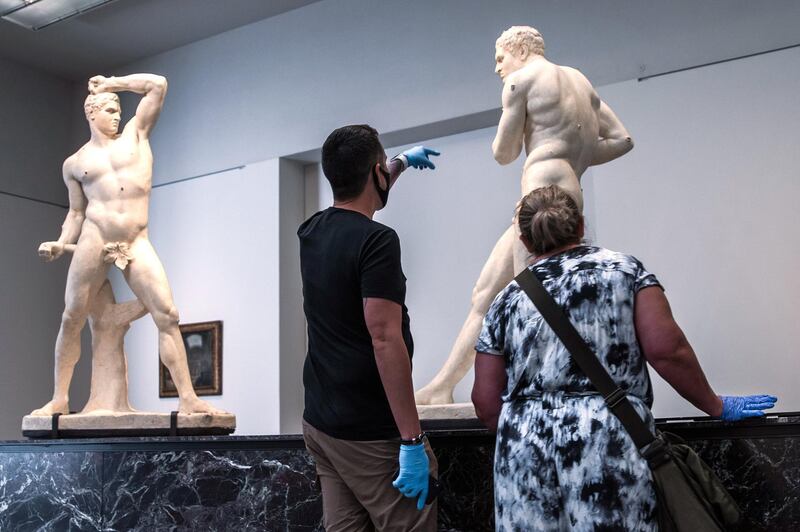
434	394
51	408
197	406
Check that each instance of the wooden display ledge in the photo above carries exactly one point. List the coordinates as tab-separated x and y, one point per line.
113	424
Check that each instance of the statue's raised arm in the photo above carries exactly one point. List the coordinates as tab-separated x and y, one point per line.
153	88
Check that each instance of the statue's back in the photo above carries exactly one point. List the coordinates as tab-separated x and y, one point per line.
562	116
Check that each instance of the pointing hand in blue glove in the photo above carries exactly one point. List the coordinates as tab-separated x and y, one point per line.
418	157
735	408
413	478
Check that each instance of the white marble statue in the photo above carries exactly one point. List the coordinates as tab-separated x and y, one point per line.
556	114
109	182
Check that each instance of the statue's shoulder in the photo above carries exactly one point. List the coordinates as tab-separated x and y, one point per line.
76	161
72	161
535	73
576	74
521	79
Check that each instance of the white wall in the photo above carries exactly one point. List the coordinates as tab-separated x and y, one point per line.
292	344
708	200
217	238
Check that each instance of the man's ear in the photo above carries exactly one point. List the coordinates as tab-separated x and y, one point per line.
382	179
582	228
523	52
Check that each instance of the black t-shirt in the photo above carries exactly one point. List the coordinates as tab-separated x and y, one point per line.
345	257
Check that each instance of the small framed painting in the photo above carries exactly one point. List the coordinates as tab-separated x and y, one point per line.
203	343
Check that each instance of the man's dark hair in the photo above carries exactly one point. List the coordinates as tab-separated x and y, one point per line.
347	157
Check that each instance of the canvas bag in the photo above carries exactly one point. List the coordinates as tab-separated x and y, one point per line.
690	496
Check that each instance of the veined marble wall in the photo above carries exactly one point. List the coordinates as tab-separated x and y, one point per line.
269	483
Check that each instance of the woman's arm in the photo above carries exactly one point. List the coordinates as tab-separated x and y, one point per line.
490	382
666	348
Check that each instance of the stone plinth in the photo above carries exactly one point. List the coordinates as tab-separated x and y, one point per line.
107	423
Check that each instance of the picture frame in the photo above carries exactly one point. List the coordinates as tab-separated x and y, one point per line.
203	344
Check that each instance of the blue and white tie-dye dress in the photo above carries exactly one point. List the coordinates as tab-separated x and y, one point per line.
563	461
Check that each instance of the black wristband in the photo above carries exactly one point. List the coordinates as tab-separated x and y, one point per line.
416	440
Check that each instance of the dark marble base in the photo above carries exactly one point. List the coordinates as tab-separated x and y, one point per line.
268	483
51	491
211	490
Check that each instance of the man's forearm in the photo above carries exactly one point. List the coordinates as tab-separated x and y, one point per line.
138	83
394	368
396	167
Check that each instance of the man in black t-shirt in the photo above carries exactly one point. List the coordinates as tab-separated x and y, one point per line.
360	419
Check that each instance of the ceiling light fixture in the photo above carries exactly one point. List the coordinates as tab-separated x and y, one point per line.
38	14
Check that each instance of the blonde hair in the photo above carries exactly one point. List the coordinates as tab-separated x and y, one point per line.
94	102
517	36
549	218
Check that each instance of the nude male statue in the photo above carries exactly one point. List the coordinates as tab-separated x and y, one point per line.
565	128
109	182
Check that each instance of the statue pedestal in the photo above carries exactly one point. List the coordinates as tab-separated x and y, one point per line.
107	423
451	411
453	416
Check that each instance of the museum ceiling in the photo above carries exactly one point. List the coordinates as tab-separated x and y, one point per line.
126	30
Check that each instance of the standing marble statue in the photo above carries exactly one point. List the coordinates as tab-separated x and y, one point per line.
556	114
109	182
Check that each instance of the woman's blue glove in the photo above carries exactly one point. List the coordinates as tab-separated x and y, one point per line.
413	478
736	407
418	157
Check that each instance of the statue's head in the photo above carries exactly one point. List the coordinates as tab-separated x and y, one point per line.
103	112
515	48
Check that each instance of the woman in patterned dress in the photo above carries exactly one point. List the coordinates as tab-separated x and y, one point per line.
563	461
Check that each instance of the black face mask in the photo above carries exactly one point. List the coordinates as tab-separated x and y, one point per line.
382	194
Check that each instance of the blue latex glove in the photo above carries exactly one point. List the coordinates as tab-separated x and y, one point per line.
413	478
736	407
418	157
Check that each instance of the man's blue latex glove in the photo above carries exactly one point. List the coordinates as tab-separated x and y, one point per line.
413	478
418	157
736	407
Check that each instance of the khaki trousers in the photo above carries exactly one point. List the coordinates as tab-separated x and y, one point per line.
357	492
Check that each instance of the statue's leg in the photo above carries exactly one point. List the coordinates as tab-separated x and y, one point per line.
495	275
84	279
147	279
